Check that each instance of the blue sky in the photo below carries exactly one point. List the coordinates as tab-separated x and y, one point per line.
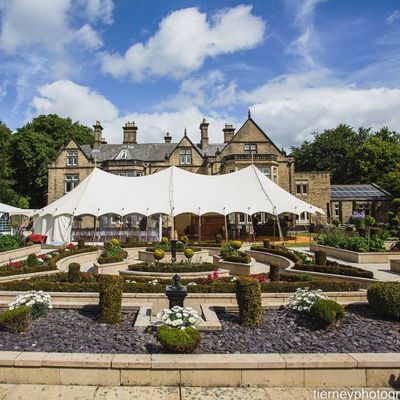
299	65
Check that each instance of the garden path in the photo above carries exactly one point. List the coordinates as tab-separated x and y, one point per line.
381	272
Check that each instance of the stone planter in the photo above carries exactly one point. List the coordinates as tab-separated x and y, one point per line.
233	267
199	256
6	256
355	257
110	268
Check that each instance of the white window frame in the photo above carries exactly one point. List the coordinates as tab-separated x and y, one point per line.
72	180
366	207
266	170
72	158
250	148
185	157
303	218
336	210
123	155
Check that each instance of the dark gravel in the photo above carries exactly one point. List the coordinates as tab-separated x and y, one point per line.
281	331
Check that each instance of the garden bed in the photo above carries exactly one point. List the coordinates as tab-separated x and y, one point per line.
336	269
174	268
199	256
281	331
356	257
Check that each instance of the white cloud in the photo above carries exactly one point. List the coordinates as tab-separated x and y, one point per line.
99	10
393	17
184	40
70	99
209	90
26	22
291	107
89	37
305	44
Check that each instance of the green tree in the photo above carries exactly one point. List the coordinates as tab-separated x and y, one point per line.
35	145
7	192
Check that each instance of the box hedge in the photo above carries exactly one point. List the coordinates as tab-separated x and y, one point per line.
74	273
320	257
279	252
326	312
17	320
175	340
242	258
274	273
174	268
339	269
248	296
384	299
110	300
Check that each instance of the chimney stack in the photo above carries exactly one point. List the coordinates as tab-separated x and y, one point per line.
167	138
229	132
98	139
130	131
204	134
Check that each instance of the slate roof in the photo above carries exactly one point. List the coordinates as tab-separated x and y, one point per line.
143	151
359	192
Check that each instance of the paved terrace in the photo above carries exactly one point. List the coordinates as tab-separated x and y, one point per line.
52	392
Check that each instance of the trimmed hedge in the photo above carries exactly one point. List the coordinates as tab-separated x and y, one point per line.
178	341
17	320
132	244
69	253
112	259
248	296
339	269
74	273
242	258
326	312
288	284
384	299
278	252
204	244
168	250
320	257
5	270
274	273
174	268
110	300
10	242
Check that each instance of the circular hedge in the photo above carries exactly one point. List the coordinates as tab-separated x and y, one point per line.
384	299
178	341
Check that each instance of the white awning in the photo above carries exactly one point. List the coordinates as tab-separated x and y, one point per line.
174	191
6	209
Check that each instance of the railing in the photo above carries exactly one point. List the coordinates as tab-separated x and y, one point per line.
104	234
250	157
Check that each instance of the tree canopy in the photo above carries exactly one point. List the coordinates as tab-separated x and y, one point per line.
35	145
353	156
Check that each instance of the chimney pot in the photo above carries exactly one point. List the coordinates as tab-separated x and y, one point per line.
204	134
130	132
229	132
167	138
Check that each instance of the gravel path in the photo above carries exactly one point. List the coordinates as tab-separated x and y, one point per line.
281	331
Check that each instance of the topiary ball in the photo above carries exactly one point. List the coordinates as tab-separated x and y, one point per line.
189	253
164	240
159	254
184	239
236	244
115	242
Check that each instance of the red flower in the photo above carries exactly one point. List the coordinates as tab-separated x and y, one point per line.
260	277
43	256
216	275
71	246
15	264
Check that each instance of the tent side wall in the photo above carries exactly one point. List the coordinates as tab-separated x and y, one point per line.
57	229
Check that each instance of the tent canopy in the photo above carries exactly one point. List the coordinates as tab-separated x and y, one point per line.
6	209
174	191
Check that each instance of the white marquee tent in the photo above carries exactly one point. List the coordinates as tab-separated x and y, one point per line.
172	191
10	210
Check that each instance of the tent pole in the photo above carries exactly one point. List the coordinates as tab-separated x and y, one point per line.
226	229
199	228
147	228
173	228
160	226
280	229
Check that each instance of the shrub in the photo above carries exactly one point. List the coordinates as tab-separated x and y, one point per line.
110	288
115	242
306	278
284	253
38	302
242	258
248	296
384	299
189	253
326	312
164	240
16	320
159	254
218	238
176	340
81	244
74	272
274	273
304	298
320	257
173	268
184	239
336	269
9	242
369	221
266	244
112	259
236	244
32	260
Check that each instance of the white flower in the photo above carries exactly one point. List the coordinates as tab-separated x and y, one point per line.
192	284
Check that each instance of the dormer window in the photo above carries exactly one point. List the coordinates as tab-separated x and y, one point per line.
250	149
122	155
185	157
72	158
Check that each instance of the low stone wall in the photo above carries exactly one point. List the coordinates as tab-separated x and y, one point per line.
164	275
395	266
27	276
199	256
269	258
353	256
6	256
159	301
110	268
233	267
205	370
62	265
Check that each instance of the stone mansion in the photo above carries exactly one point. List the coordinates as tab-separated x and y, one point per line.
237	149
